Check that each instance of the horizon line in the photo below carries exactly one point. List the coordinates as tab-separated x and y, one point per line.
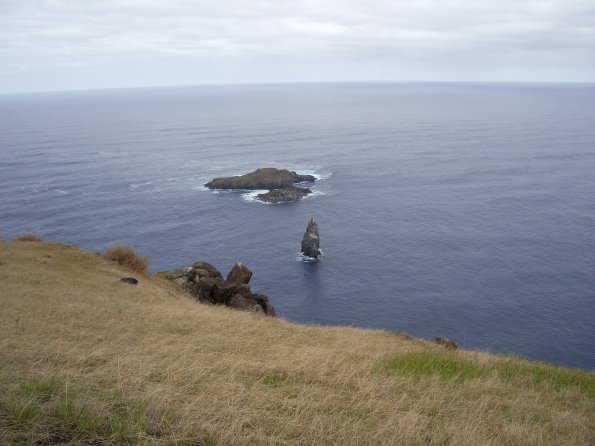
281	83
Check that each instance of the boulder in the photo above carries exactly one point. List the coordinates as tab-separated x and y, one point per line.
263	301
311	240
176	274
284	194
194	290
205	267
260	299
265	178
243	289
446	343
182	281
129	280
215	290
239	274
203	289
269	310
201	273
245	303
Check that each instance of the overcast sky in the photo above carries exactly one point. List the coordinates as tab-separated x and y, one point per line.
83	44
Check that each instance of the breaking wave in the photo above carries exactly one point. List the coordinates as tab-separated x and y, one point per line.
251	195
301	257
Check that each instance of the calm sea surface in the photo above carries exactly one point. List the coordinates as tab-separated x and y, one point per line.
465	211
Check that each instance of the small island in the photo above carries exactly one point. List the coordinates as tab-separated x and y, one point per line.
284	194
279	182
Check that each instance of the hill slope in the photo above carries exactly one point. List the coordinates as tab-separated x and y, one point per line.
86	359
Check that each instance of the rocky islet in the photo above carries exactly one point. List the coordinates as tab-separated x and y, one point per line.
280	184
284	194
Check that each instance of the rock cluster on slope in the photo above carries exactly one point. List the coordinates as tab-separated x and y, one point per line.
311	240
205	282
446	343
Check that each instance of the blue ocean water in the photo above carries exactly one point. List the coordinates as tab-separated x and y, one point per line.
457	210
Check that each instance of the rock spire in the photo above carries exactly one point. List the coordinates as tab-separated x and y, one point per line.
311	240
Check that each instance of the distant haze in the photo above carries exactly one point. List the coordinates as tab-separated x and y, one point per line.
70	44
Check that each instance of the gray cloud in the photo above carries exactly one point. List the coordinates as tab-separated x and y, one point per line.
70	44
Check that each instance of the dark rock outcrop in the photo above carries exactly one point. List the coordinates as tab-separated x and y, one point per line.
239	274
265	178
284	194
129	280
203	281
446	343
311	240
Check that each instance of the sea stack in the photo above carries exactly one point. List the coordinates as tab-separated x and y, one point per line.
311	240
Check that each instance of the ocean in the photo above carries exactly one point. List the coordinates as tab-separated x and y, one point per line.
464	211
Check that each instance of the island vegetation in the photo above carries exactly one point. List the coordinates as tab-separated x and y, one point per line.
86	359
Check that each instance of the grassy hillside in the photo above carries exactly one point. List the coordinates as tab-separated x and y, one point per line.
86	359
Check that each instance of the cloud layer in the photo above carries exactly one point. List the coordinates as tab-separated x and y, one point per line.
71	44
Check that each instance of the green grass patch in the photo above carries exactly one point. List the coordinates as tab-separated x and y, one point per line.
556	378
279	379
272	381
119	429
40	405
137	417
40	388
23	411
428	363
208	441
120	420
451	367
80	415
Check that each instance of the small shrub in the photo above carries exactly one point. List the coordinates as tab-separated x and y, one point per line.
28	238
127	257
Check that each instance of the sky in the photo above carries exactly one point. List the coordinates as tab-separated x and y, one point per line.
48	45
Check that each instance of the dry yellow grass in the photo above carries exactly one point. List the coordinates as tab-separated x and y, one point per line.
86	359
